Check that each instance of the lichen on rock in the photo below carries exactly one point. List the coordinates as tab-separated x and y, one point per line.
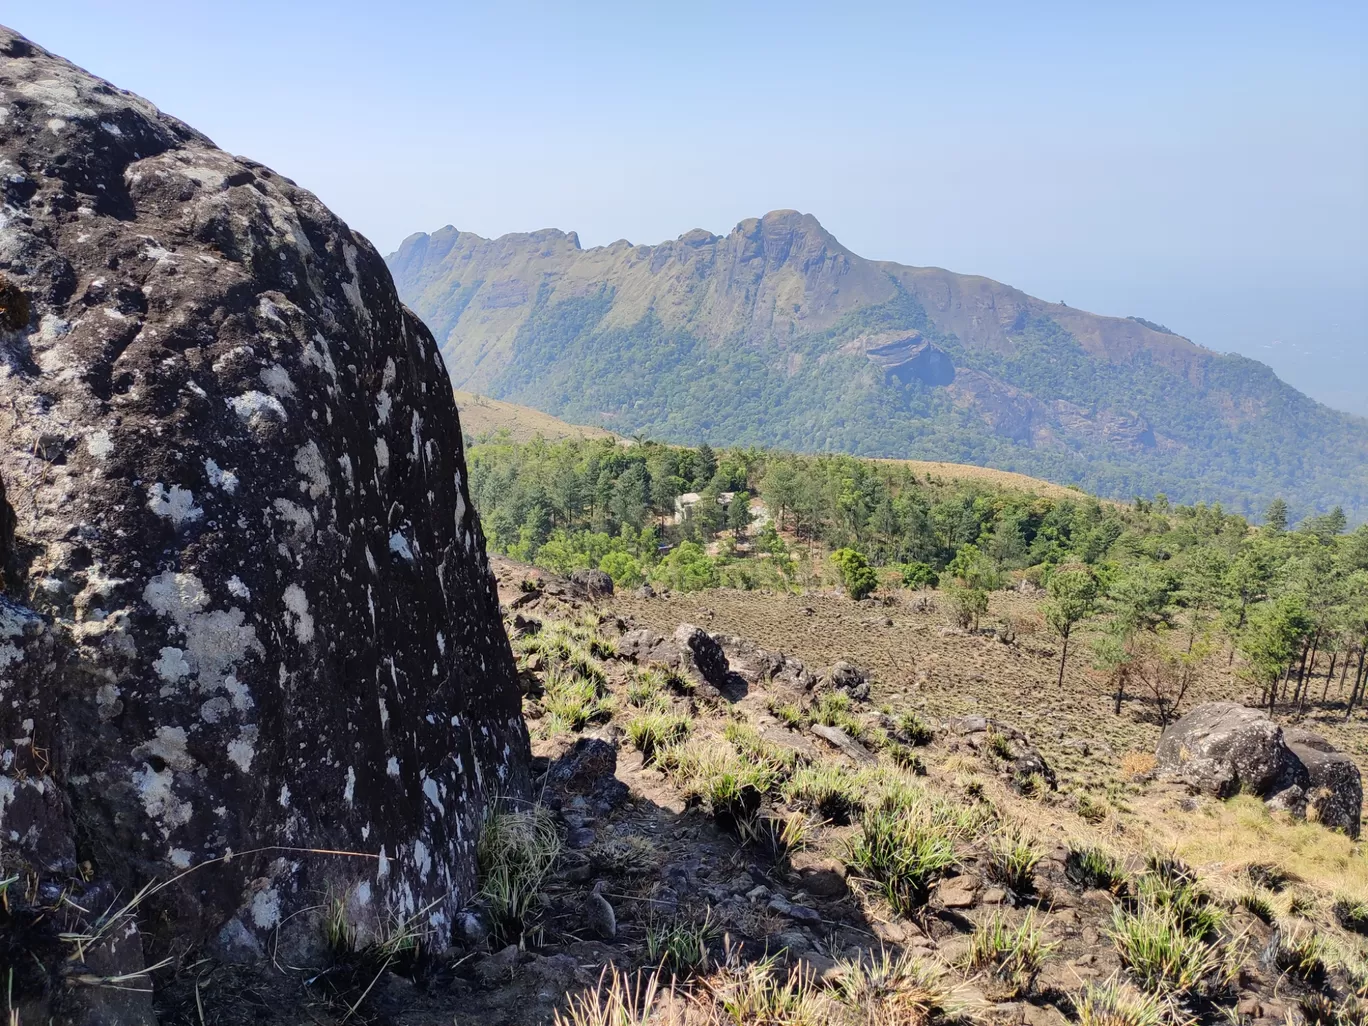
218	416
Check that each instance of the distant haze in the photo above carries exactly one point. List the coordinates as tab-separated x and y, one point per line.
1202	166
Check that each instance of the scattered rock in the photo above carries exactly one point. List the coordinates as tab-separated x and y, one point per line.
846	744
850	679
1334	785
594	584
958	891
1221	748
1009	747
819	876
701	656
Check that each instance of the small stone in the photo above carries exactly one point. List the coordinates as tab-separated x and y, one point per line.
994	896
757	892
958	891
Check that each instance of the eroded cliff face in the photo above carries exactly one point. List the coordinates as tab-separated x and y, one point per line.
250	611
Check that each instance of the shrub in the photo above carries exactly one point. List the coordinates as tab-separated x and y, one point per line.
857	576
919	575
967	605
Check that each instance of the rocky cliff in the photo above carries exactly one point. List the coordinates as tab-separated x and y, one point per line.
777	334
249	611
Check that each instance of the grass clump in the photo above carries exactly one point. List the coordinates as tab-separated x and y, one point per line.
1161	955
1012	956
1303	956
1011	861
709	772
757	994
624	856
1352	914
776	838
748	742
786	713
902	855
834	709
1258	903
913	730
1094	869
619	999
1117	1004
572	701
650	732
887	989
516	851
645	690
825	790
679	946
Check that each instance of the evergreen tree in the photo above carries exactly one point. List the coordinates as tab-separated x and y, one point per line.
1072	592
1275	517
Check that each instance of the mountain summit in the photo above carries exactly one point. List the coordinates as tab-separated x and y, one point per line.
776	334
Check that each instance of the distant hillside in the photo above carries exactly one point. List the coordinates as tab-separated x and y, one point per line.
481	415
778	335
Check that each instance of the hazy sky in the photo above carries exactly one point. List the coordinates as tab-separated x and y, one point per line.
1200	164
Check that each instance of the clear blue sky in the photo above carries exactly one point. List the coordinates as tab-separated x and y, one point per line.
1200	164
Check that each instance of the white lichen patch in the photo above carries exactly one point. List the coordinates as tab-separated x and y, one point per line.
241	752
257	408
176	505
349	788
399	545
100	445
225	480
277	381
239	590
309	462
171	666
214	641
382	453
297	615
265	909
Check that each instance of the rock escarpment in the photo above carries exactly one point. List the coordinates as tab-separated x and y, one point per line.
249	610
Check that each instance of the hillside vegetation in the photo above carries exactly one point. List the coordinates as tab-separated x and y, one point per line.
1172	592
777	335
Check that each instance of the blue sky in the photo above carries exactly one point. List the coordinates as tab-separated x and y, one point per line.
1202	165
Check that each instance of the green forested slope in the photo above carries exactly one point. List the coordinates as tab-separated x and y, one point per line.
768	336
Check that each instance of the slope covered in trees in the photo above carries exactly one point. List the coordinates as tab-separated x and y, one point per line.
777	335
1165	589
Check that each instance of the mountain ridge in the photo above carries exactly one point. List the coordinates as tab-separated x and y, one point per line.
822	348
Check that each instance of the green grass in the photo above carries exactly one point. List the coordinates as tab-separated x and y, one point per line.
650	732
1009	954
1161	955
1116	1004
786	713
1094	869
678	946
1010	860
913	730
517	848
826	790
901	856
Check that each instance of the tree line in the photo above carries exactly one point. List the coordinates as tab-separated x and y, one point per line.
1169	588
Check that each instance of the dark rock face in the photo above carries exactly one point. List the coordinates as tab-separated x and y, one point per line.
849	678
1334	786
251	601
701	656
1222	747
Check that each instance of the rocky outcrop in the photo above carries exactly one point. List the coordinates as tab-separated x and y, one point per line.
251	611
1005	746
1333	784
1222	748
592	584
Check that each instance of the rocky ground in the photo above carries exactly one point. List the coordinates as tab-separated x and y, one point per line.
851	820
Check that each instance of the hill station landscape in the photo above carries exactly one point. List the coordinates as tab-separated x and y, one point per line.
727	632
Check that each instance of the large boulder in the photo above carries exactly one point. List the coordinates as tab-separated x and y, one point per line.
249	607
701	656
1223	747
1333	784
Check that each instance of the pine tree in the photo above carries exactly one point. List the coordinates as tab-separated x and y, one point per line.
1275	517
